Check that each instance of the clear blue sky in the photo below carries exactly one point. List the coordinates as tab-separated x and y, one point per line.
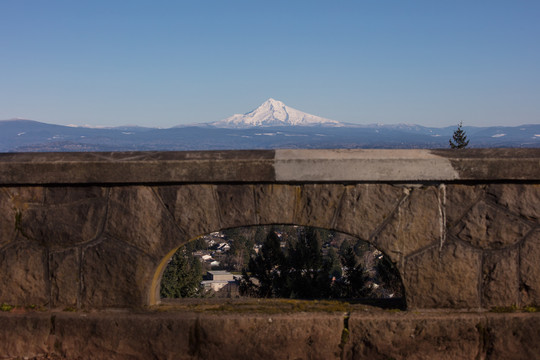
164	63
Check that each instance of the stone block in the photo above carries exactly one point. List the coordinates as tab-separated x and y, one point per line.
25	195
98	336
511	336
115	275
417	223
236	205
488	227
408	336
364	208
23	274
138	217
193	207
443	278
500	285
521	199
8	218
301	336
64	226
459	198
275	203
56	195
23	336
64	270
529	269
317	204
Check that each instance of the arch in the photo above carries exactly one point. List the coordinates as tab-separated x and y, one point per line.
370	259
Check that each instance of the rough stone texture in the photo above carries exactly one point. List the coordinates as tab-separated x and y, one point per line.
65	195
115	275
446	278
22	196
23	274
365	206
193	207
317	204
500	285
138	217
171	335
410	336
190	336
488	227
236	205
275	203
530	269
415	225
459	198
8	221
513	336
14	201
61	226
24	336
64	276
522	199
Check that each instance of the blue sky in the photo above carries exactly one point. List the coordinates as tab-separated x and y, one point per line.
164	63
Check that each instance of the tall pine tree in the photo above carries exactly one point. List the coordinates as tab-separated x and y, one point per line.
459	139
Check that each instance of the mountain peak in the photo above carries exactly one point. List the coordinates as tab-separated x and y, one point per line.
274	113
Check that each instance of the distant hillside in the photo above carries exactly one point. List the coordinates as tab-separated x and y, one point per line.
272	125
25	135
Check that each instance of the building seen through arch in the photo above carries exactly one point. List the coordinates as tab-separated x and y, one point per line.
282	262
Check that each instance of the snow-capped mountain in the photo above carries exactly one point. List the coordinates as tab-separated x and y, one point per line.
274	113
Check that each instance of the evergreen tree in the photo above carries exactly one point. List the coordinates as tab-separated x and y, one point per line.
459	139
182	276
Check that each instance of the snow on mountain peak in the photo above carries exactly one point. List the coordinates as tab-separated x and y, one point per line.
274	113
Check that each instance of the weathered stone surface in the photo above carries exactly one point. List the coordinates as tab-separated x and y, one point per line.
317	204
511	336
25	195
189	336
529	269
488	227
23	274
24	336
365	206
193	207
275	203
64	270
236	205
459	198
521	199
179	335
500	284
410	336
415	225
8	218
138	217
443	278
13	202
115	275
56	195
305	336
62	226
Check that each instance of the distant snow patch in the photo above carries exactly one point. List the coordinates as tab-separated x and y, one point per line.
498	135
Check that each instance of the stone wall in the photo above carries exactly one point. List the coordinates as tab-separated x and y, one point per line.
467	242
375	335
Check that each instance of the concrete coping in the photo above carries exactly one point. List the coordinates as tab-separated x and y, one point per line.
286	165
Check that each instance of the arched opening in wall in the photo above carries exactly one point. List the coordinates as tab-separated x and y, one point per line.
291	262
